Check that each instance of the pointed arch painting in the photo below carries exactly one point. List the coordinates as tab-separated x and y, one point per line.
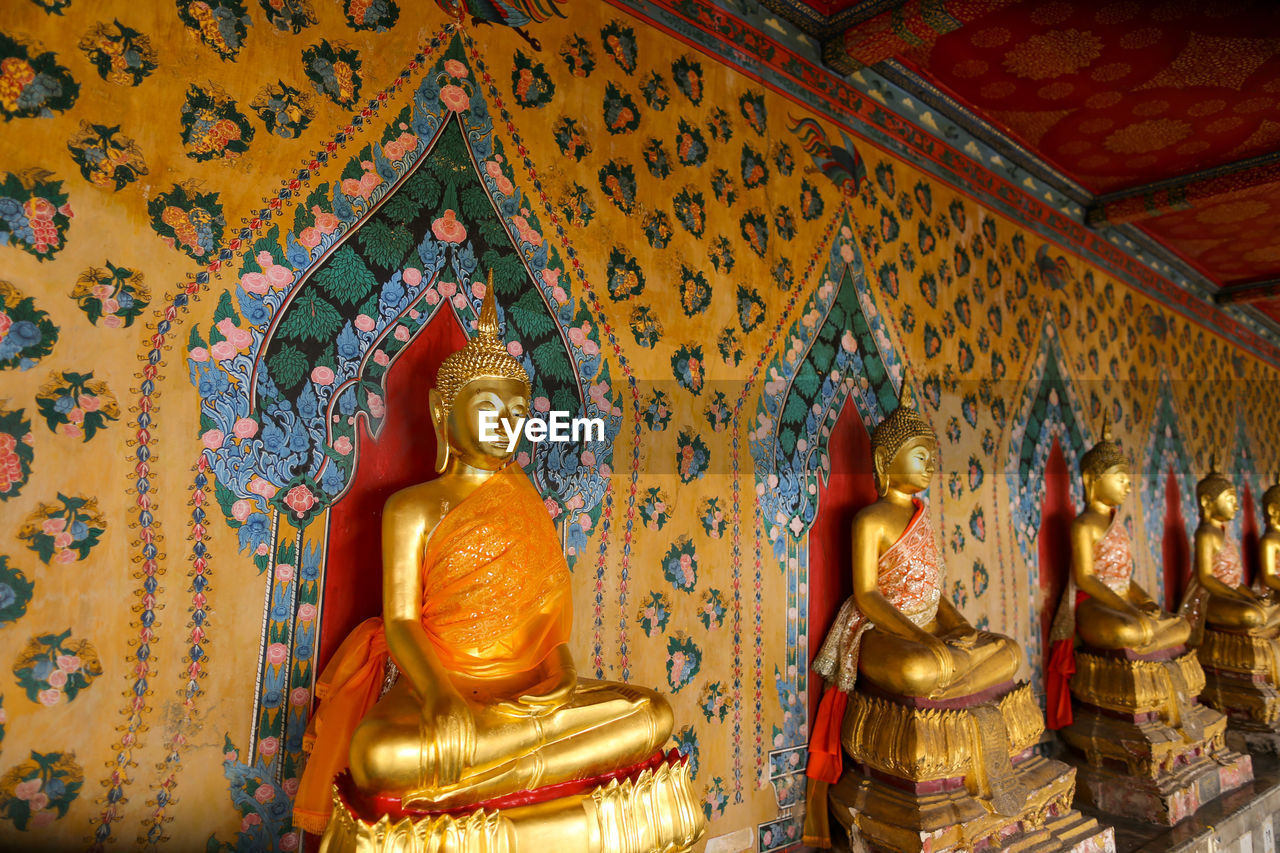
1049	413
293	373
839	350
1166	467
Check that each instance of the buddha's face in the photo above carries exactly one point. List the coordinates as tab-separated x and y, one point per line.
1222	507
1112	485
1271	510
911	469
507	400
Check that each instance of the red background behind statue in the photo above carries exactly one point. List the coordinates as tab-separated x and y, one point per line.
851	487
402	455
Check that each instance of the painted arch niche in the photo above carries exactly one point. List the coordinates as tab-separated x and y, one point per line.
1168	500
312	375
1042	468
837	377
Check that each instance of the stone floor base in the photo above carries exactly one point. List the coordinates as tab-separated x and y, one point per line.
879	816
1169	797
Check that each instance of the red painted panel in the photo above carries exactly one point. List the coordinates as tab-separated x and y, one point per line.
1176	549
404	454
850	488
1249	534
1056	514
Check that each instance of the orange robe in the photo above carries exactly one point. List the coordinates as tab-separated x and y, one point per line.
496	601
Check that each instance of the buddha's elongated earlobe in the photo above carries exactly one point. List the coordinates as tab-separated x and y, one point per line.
436	404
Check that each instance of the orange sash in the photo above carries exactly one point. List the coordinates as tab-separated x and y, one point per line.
496	601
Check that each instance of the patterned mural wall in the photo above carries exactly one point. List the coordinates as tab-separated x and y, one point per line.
224	223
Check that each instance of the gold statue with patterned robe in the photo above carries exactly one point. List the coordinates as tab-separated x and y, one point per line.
1267	584
1133	682
459	712
1236	629
906	673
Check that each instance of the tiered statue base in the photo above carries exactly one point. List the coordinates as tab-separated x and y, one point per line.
1240	681
957	775
1143	744
650	809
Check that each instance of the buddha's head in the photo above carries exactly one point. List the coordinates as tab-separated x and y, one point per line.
904	449
1104	469
1216	496
480	378
1271	504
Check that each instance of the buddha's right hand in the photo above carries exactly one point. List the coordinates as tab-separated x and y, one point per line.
449	729
945	658
1147	625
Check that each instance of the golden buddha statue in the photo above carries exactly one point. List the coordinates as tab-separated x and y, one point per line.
1235	628
462	701
1133	683
906	673
1217	597
1267	584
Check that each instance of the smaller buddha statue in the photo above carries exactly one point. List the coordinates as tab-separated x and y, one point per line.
1102	605
1127	696
463	701
1217	597
1267	584
906	672
1235	628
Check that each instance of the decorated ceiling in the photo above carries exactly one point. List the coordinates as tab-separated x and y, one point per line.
1164	114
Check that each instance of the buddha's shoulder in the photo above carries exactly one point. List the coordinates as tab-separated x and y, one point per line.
414	499
1093	522
877	515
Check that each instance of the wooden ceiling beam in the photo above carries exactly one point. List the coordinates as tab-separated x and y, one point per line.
1241	294
1185	192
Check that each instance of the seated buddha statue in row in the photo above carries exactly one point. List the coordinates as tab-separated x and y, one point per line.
1133	685
1234	627
1217	597
464	691
1267	584
1103	606
905	671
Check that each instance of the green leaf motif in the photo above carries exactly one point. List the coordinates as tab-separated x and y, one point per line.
383	244
345	278
288	366
311	318
550	359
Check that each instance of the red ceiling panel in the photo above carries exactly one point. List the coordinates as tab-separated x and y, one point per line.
1117	94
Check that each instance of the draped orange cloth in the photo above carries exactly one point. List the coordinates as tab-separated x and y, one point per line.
496	601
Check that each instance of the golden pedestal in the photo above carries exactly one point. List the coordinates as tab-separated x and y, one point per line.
1143	745
1240	681
653	810
957	775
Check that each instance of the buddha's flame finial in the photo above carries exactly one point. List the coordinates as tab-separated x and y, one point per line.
488	323
1106	426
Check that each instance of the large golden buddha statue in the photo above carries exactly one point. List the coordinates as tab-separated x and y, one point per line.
926	705
1234	627
1133	683
459	712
